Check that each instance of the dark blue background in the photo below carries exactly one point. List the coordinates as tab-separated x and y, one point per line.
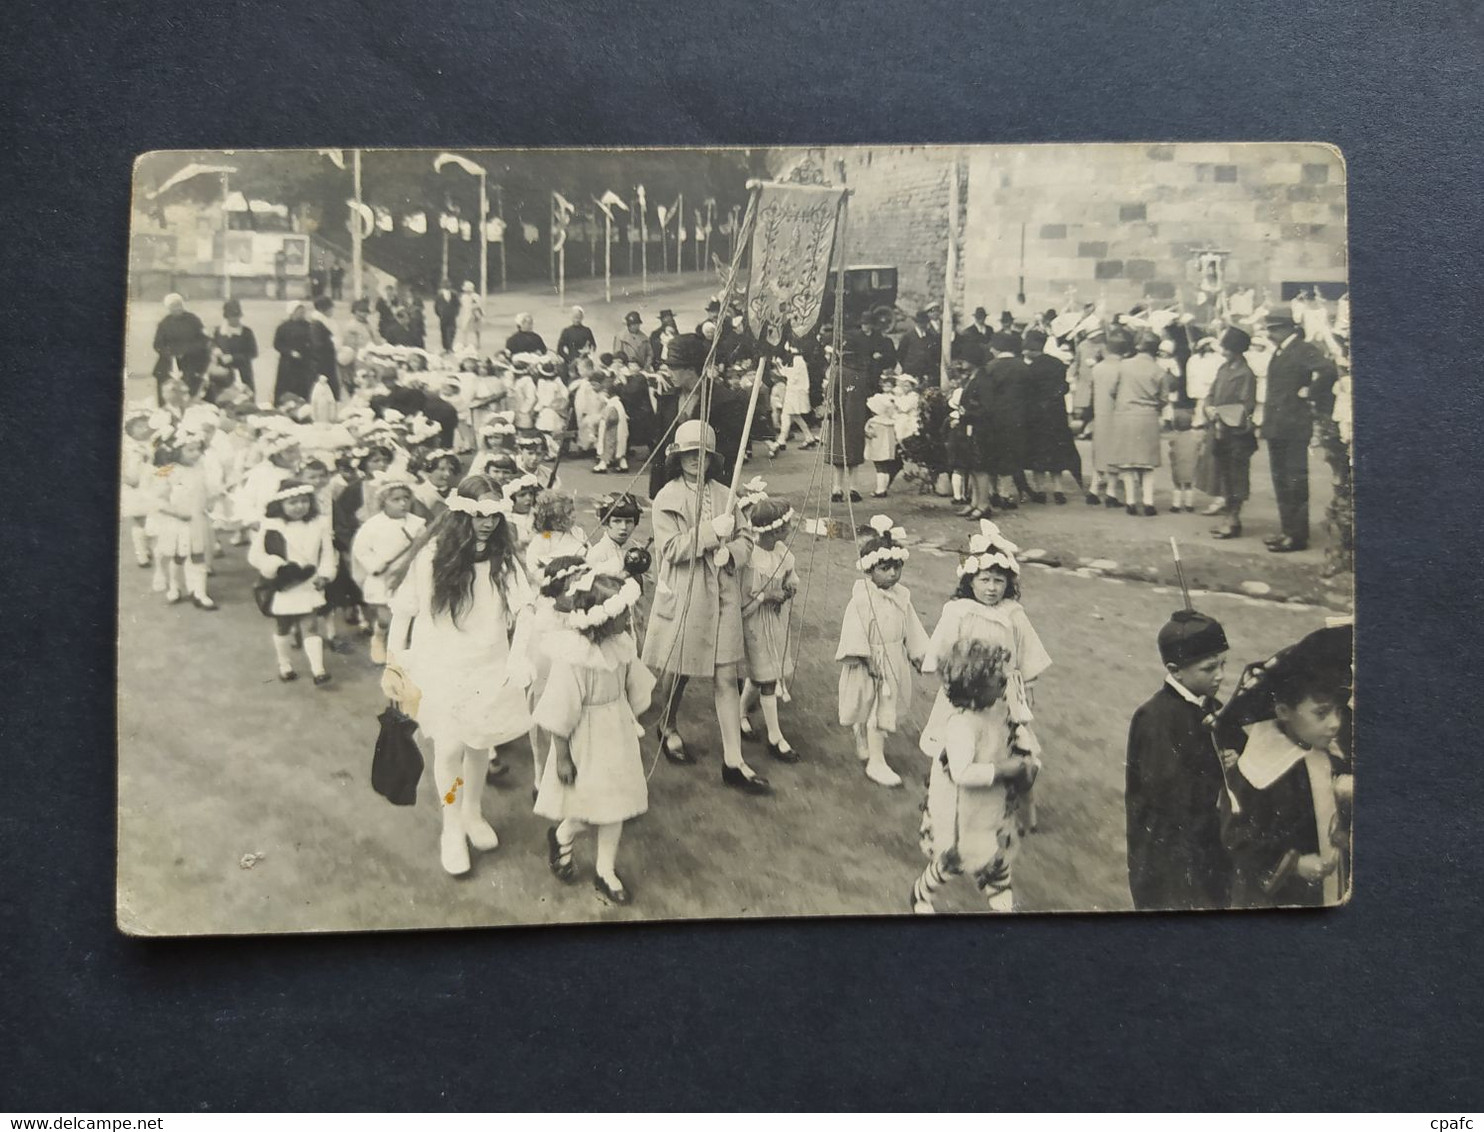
1375	1005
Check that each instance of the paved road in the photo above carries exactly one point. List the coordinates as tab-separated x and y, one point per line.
218	759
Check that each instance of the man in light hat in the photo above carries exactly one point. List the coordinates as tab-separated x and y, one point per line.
631	343
1175	778
1300	377
575	337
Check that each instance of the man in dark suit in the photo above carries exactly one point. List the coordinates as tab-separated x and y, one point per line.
921	349
1300	377
872	349
656	350
971	344
446	309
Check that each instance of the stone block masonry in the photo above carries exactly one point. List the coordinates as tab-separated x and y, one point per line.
1118	223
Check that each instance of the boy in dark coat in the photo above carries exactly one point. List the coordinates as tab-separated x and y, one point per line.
1175	778
1288	826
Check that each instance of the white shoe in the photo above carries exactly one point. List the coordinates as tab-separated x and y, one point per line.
623	465
881	774
481	834
159	584
453	849
1002	901
172	595
923	907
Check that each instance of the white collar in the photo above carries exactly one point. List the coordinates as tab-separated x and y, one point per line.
1185	693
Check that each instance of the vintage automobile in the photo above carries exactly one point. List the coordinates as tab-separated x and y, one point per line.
868	288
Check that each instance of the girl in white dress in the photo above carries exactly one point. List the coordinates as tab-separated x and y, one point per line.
769	583
179	522
295	549
986	607
553	533
973	819
881	641
530	648
596	689
137	468
382	541
460	601
796	406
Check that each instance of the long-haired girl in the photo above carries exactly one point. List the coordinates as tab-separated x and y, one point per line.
461	597
973	819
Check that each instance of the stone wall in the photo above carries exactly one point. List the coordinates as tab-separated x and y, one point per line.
1119	223
1123	223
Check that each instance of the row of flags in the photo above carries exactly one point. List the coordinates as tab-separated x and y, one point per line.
374	219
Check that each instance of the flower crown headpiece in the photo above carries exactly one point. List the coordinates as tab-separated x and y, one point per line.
564	572
890	548
781	521
291	492
524	482
603	612
753	491
463	505
281	443
431	458
390	483
989	548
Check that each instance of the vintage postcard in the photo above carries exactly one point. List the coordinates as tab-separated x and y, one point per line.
519	537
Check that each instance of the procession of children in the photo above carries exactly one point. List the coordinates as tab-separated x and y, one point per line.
447	543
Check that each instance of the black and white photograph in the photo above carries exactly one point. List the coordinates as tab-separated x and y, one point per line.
536	536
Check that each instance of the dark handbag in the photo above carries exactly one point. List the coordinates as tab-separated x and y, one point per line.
397	764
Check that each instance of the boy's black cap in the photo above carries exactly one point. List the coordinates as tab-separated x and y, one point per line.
1189	636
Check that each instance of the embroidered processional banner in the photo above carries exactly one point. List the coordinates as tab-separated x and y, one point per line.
793	236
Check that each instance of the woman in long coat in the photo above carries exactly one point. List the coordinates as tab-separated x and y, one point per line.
1103	380
180	340
1228	406
1050	449
1003	441
695	623
1138	397
294	341
846	391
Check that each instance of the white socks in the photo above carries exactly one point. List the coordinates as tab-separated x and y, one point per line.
195	576
141	544
956	481
314	649
877	769
480	833
770	717
883	482
608	837
283	648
